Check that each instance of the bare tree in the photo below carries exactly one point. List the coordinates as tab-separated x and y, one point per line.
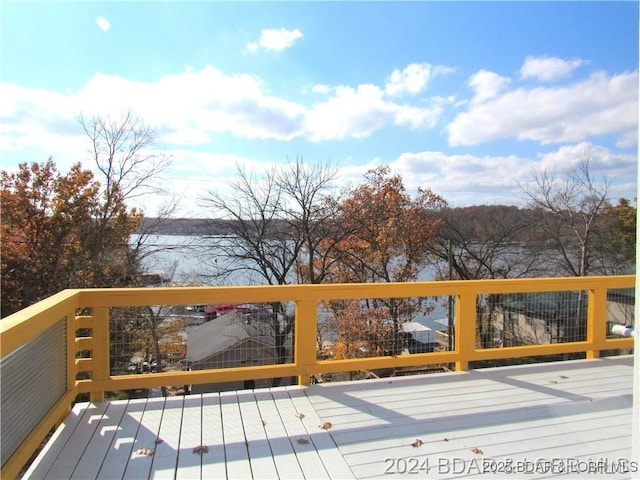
128	166
123	151
273	225
311	216
483	242
480	242
568	210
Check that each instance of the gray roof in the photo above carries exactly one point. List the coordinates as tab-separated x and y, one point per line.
224	332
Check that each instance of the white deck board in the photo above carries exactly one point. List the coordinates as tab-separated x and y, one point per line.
567	410
235	443
260	456
284	456
167	445
310	462
76	445
213	464
99	446
190	463
56	444
331	457
139	465
121	446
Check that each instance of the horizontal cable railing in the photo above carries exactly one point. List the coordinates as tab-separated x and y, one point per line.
207	335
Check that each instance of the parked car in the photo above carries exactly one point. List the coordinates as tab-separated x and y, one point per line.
196	308
213	311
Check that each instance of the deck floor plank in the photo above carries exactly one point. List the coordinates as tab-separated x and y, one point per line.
235	443
285	458
56	443
139	464
310	462
99	446
167	445
213	464
332	459
76	446
190	463
119	453
576	410
260	455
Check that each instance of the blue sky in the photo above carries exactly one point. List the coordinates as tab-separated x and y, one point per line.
468	98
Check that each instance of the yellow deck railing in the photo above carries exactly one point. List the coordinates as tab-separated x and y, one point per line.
19	329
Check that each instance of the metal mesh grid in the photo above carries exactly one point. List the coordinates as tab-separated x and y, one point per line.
620	309
375	327
536	318
177	337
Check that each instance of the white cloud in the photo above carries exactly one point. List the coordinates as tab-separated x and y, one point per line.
598	105
548	69
413	79
602	161
351	112
322	89
358	112
470	179
191	107
275	39
487	85
473	180
103	24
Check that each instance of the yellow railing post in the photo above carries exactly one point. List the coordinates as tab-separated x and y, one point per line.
100	349
305	332
596	321
465	329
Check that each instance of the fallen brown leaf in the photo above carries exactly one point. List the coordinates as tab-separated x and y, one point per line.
417	443
201	449
326	425
300	415
477	451
446	439
303	441
145	451
158	441
564	377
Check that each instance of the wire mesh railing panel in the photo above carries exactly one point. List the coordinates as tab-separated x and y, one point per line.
376	327
533	318
156	338
620	312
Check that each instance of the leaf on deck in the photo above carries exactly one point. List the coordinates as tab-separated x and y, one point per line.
201	449
477	451
303	441
417	443
300	415
326	425
145	451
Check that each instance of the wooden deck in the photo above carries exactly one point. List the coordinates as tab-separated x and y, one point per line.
536	421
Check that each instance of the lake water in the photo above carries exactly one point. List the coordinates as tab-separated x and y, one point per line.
185	258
